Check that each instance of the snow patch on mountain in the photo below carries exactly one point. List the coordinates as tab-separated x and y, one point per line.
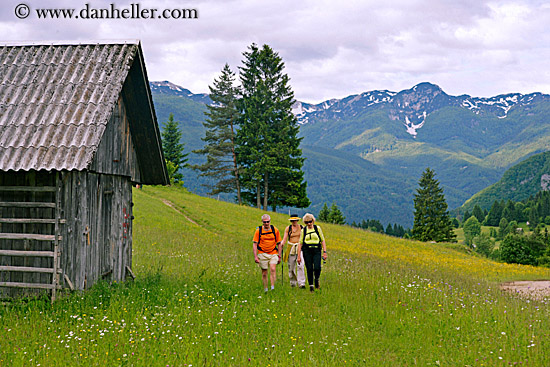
411	128
500	105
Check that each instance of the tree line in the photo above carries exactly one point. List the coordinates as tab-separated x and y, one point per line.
374	225
535	210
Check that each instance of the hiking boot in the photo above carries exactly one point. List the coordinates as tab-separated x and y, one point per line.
311	288
317	285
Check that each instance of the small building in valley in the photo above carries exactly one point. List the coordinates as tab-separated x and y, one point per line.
77	131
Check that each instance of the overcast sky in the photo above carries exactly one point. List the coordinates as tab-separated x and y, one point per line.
331	49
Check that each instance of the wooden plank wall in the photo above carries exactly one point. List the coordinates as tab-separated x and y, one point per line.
96	237
116	154
99	227
26	179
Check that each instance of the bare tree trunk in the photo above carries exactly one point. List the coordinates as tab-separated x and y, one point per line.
265	191
237	181
258	201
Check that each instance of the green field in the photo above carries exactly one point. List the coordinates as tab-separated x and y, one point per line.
198	301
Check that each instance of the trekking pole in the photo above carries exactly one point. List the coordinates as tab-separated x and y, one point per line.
282	271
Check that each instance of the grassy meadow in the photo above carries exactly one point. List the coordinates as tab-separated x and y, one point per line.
198	301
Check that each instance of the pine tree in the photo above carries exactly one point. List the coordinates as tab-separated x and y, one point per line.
173	148
431	218
503	227
267	140
478	213
389	230
335	216
467	215
509	211
222	118
324	214
493	218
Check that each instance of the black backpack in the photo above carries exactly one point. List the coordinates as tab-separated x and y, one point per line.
304	244
260	237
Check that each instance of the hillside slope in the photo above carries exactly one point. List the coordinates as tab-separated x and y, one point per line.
198	300
390	298
518	183
362	189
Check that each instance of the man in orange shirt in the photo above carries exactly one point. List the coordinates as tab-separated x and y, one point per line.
267	252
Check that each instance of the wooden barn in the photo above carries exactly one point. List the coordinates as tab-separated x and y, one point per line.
77	131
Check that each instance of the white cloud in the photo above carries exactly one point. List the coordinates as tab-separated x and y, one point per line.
331	49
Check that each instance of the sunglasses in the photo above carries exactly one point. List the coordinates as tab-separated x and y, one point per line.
266	221
308	221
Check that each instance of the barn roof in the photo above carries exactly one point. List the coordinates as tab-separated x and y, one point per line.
57	98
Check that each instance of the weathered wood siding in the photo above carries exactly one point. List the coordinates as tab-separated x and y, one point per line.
116	154
97	238
25	179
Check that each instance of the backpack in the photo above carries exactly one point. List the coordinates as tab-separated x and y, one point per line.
304	244
260	237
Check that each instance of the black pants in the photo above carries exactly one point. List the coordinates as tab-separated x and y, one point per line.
312	259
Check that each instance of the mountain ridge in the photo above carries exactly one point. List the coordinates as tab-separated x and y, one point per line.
468	141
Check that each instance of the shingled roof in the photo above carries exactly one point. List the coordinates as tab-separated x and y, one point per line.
56	100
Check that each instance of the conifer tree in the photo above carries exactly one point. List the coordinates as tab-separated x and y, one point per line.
509	211
493	218
335	215
502	228
267	140
324	213
478	213
466	216
219	148
389	230
173	148
431	218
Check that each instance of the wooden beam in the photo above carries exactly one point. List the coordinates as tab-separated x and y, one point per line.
26	253
29	188
27	236
27	204
31	220
26	285
71	286
130	272
26	269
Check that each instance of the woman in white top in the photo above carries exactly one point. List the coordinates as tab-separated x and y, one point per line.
292	238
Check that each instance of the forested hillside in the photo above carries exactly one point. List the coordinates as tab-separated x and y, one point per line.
469	142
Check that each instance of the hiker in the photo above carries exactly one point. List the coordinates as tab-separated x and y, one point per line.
267	253
312	242
291	254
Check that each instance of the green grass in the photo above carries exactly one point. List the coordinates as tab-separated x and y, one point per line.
198	300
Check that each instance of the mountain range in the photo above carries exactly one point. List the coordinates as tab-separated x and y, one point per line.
366	152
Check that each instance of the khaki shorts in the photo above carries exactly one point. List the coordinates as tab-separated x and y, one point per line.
266	259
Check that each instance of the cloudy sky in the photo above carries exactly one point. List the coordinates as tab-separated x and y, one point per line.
331	49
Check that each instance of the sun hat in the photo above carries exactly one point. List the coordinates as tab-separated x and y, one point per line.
294	217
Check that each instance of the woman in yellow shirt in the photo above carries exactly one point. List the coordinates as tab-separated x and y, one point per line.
312	242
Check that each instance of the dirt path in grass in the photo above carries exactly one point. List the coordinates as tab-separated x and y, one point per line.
171	205
534	289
